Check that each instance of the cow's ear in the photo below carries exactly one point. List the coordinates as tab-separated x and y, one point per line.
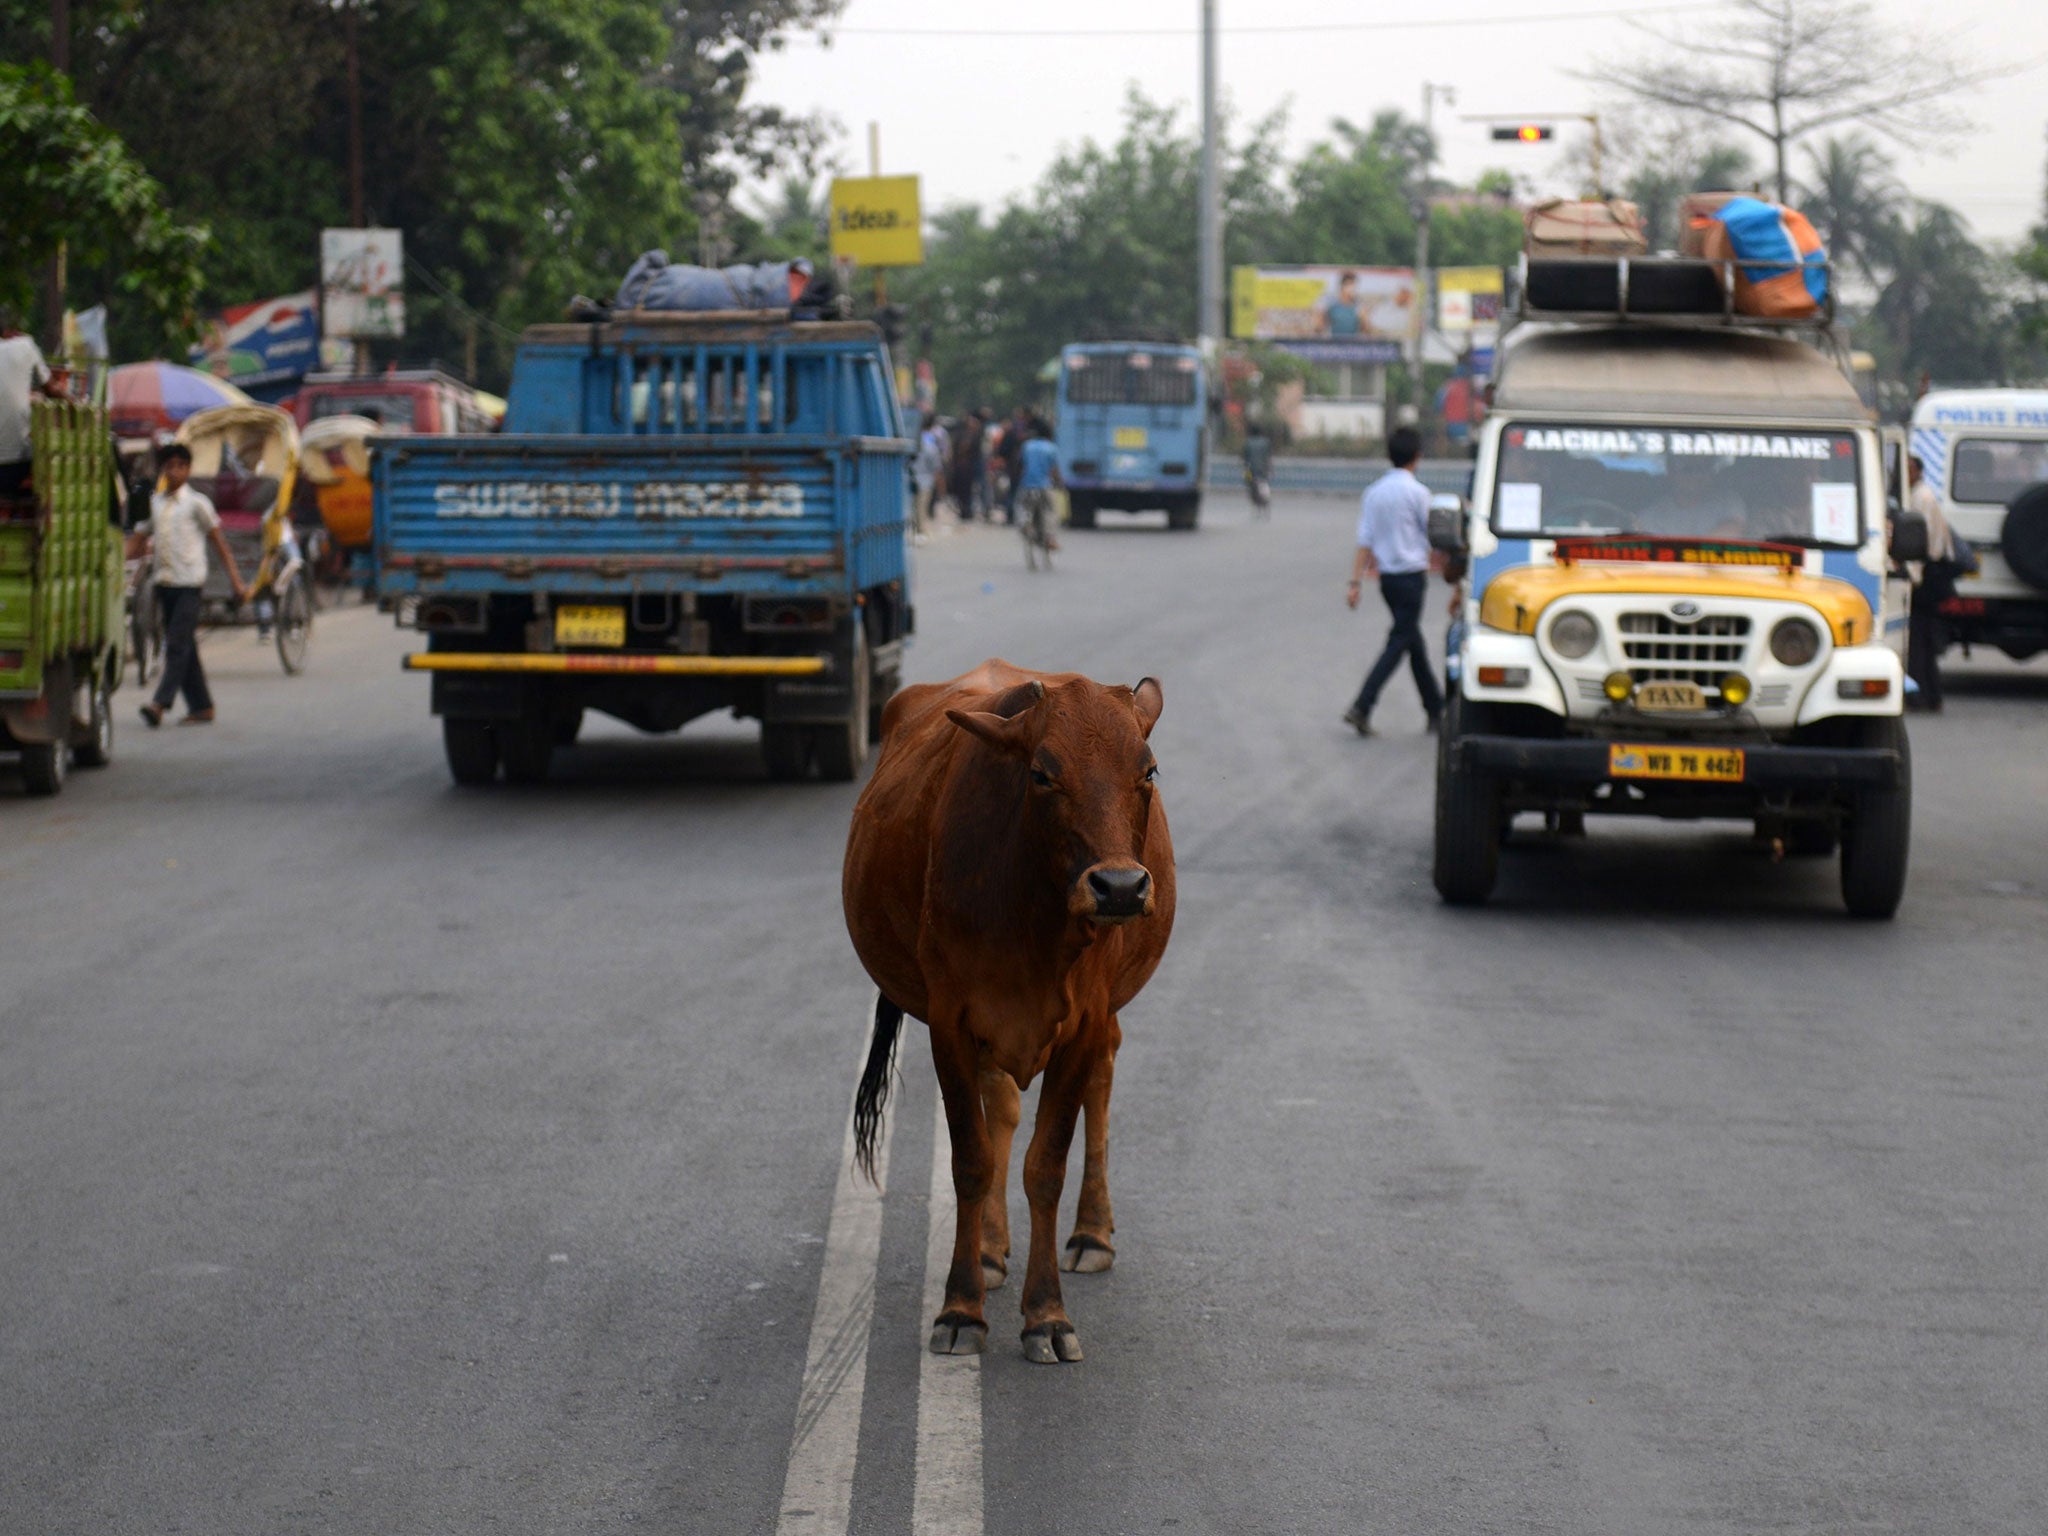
1150	701
1011	735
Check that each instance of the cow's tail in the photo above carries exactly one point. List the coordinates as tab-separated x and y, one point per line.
873	1095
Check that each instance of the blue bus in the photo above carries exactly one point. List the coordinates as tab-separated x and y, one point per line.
1133	430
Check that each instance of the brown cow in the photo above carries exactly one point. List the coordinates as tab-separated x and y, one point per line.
1009	880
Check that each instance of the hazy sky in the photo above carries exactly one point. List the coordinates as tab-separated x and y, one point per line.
979	115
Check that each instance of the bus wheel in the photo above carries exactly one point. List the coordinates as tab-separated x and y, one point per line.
1182	515
1080	511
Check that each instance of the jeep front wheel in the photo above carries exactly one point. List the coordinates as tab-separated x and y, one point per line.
1468	821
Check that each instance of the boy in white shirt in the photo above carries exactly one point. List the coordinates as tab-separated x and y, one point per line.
181	524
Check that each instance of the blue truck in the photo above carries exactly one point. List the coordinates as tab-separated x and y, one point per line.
682	513
1133	430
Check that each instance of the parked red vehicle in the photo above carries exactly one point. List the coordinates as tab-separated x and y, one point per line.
403	400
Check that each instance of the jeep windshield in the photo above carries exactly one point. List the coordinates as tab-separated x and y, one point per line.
1569	478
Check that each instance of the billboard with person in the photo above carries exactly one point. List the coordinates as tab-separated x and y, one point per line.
1326	314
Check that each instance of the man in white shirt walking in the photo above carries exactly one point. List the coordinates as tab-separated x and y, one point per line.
1393	544
181	524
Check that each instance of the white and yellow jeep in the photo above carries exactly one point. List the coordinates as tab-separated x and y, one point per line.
1678	600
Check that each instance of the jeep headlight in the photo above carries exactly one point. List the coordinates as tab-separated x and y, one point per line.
1794	642
1573	634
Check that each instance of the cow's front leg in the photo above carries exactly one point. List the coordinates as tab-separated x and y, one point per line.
1089	1251
999	1103
960	1328
1048	1333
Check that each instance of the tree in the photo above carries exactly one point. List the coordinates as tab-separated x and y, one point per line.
1786	69
1939	313
1104	245
1851	198
527	149
68	180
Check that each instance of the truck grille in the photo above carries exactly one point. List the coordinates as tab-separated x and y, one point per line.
1660	648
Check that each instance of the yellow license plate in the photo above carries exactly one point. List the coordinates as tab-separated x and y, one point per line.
1129	437
1670	696
590	626
1715	765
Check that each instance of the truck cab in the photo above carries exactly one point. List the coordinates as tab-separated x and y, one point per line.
1677	601
683	513
1985	453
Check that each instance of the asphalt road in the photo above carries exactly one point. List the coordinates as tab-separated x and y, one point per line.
381	1157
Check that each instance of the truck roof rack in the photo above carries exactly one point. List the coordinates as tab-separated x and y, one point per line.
1671	293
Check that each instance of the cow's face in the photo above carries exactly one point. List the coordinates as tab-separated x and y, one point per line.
1089	768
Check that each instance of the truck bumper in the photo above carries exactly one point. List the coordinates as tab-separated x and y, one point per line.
1765	767
583	665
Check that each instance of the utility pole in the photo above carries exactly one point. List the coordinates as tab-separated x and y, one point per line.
1425	296
1209	219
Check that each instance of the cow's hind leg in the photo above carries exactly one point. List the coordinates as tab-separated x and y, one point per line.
961	1328
1089	1251
999	1102
1049	1335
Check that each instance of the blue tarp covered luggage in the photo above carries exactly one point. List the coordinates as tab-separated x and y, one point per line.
653	283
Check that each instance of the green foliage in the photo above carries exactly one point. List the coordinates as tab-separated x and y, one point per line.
528	149
67	180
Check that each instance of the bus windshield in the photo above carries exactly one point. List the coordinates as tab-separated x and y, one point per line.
1130	378
1564	478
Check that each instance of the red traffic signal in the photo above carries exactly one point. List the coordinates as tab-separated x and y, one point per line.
1526	133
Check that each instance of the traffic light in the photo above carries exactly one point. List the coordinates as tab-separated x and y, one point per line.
1524	133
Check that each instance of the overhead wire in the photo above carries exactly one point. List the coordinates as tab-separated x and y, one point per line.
1279	29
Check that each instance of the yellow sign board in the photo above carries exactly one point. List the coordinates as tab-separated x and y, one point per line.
876	221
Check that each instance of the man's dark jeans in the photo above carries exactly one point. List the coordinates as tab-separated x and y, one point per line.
1405	594
180	608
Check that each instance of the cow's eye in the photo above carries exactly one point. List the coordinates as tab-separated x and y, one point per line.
1041	778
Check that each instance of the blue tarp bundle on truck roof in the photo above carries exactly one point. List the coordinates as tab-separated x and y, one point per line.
653	282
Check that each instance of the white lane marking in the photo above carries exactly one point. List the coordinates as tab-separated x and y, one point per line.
817	1489
947	1497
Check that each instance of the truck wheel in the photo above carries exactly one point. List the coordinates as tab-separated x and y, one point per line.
1182	516
878	700
97	750
1878	829
786	749
842	747
1468	821
43	764
472	750
1080	511
568	726
525	746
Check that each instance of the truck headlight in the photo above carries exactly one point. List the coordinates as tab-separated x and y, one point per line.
1795	642
1573	634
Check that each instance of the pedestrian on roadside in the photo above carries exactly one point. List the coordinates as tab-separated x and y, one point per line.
23	373
182	522
1016	432
925	471
1933	583
1393	545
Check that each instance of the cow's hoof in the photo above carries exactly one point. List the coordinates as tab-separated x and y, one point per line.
993	1272
1052	1344
1086	1255
951	1336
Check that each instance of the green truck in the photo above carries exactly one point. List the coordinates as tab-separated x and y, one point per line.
61	598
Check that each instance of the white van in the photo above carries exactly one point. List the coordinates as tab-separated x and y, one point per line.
1985	451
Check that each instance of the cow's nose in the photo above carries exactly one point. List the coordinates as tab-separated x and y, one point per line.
1121	892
